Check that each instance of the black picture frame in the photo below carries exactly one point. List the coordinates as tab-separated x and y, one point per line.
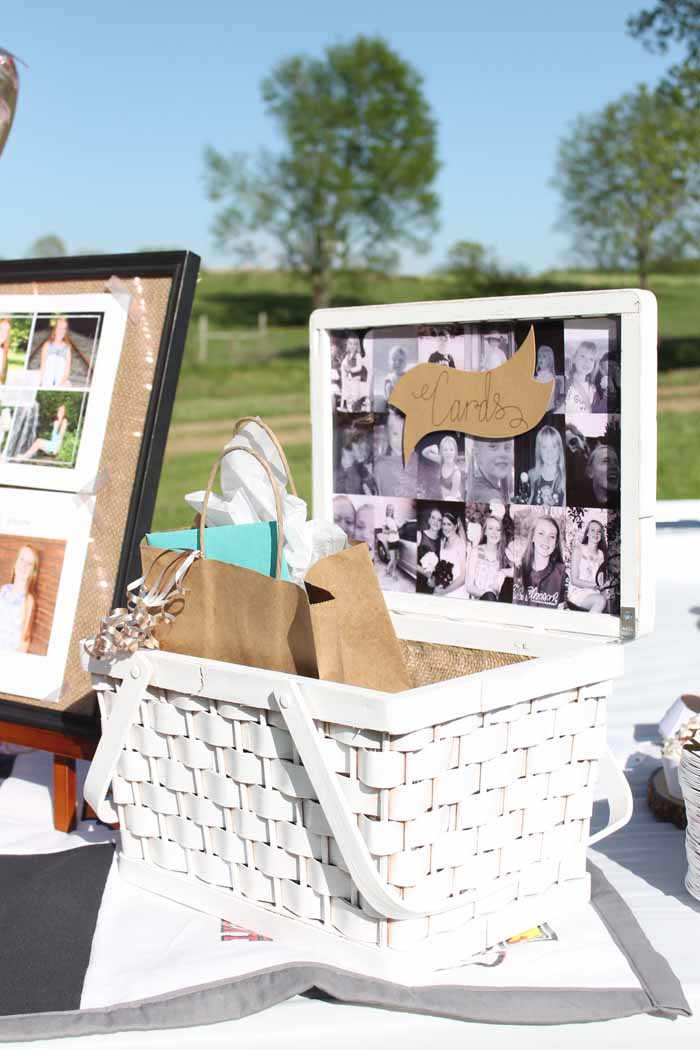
182	269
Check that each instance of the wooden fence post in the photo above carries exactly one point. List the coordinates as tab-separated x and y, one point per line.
203	339
262	332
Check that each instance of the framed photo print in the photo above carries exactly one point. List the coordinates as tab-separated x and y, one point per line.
59	371
90	352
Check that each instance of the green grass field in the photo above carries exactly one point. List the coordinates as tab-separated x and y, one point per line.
249	376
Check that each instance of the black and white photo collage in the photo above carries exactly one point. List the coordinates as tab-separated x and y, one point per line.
46	367
533	520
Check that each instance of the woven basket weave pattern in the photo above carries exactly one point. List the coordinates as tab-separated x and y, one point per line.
493	808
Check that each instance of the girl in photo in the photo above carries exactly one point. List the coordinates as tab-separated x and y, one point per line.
397	368
391	533
336	383
50	446
451	570
347	478
390	475
362	454
344	515
449	477
545	372
56	355
494	352
607	385
603	476
429	552
588	558
364	526
548	476
491	472
579	380
18	604
5	332
354	377
487	566
540	579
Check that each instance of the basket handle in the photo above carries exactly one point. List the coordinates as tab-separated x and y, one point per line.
617	791
342	822
241	423
137	675
278	502
353	847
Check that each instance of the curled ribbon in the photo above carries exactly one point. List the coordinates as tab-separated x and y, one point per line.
147	607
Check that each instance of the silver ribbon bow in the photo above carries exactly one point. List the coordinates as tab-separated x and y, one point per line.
147	608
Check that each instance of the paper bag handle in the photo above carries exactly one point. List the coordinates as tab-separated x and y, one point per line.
275	489
241	422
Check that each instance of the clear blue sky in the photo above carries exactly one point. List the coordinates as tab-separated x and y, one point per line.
120	99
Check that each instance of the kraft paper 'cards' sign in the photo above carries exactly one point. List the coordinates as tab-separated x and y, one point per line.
501	403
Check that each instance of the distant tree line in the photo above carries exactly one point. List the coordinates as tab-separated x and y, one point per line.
629	175
354	180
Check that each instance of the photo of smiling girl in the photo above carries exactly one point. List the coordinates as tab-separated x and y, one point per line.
539	454
540	572
394	351
428	554
441	467
354	376
490	471
581	365
586	344
593	474
488	565
18	604
451	570
587	558
593	538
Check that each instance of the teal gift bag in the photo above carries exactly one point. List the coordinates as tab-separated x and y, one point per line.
250	546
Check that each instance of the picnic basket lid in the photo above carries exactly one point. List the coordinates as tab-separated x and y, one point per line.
551	530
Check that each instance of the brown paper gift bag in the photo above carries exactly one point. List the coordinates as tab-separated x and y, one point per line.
338	628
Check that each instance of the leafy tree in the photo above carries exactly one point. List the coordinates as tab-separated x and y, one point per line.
472	264
49	246
628	180
19	339
669	22
476	270
354	178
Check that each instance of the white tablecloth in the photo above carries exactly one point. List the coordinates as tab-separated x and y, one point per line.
645	862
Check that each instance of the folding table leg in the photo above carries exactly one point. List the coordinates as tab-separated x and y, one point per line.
64	793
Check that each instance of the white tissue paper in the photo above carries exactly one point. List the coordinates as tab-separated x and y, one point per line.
247	498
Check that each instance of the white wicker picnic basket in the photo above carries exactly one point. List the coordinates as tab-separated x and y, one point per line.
425	825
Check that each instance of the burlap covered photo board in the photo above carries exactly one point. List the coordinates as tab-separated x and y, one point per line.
90	352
